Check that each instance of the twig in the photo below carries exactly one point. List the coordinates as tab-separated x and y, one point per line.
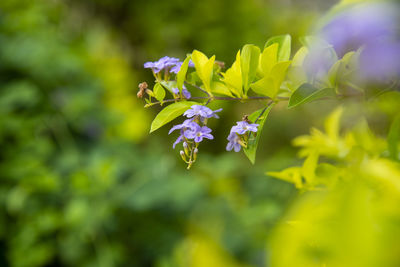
197	87
209	99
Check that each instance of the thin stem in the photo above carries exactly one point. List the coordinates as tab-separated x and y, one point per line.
197	87
209	99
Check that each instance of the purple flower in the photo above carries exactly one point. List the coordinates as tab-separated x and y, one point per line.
175	69
233	143
185	92
201	111
178	140
380	61
242	127
175	90
187	124
186	128
199	133
162	63
360	25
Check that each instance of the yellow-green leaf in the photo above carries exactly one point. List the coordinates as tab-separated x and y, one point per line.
268	59
204	68
159	92
394	138
169	113
296	77
249	62
180	77
309	167
291	175
278	74
220	88
333	73
332	124
298	58
265	86
233	77
284	42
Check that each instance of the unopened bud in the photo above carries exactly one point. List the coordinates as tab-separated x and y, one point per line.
186	148
142	88
182	155
220	64
150	93
195	151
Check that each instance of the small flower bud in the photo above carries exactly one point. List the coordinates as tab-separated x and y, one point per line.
220	64
150	93
186	148
182	155
142	88
195	151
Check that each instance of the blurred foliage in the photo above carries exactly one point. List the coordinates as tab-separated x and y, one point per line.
354	191
79	184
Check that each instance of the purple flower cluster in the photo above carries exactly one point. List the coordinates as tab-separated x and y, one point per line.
171	64
190	128
193	130
175	69
161	64
185	92
239	134
201	112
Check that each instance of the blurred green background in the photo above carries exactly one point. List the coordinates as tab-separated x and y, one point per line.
82	183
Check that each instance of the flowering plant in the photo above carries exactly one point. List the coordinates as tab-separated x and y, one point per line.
326	66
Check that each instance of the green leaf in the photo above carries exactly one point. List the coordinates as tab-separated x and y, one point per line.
168	85
233	77
333	73
309	167
314	41
307	93
249	62
252	144
159	92
298	58
284	42
204	68
296	77
268	59
180	77
291	175
265	86
169	113
394	138
278	74
332	124
220	88
270	85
